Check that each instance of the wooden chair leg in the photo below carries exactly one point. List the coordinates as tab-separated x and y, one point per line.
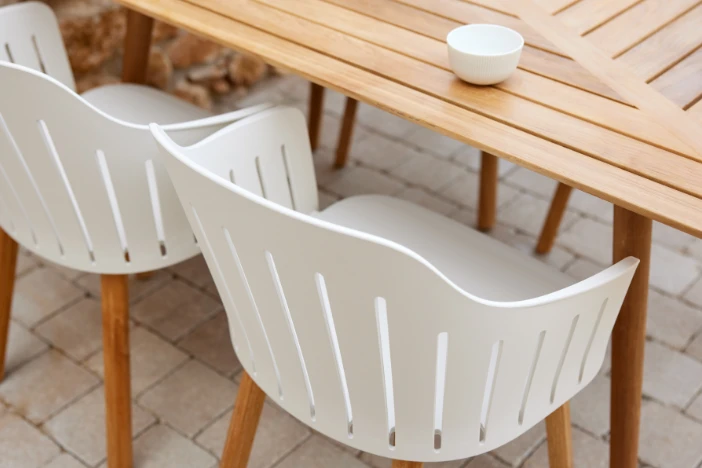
115	341
243	425
315	114
487	203
406	464
137	45
553	218
8	266
560	439
344	144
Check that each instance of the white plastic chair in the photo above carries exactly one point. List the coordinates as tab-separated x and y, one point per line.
382	325
79	185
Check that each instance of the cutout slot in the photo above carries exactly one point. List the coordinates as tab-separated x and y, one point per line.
288	176
331	331
573	324
440	386
38	52
530	377
156	207
490	380
291	327
591	339
381	315
114	205
242	276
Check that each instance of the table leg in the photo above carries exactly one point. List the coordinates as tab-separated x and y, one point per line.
137	45
487	200
315	114
632	237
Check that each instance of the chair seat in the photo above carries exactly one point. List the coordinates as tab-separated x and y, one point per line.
142	105
475	262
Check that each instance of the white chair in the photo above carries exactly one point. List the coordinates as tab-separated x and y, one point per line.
79	185
382	325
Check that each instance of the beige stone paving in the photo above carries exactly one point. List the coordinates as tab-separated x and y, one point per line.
185	375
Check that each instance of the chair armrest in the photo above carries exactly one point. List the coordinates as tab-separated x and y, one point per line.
188	133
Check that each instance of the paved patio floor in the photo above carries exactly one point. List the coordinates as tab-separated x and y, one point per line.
185	374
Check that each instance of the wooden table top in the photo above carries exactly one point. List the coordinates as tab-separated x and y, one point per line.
552	116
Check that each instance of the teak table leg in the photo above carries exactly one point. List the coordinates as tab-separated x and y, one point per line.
487	203
115	342
559	438
315	116
8	266
406	464
344	143
243	425
553	218
137	45
632	237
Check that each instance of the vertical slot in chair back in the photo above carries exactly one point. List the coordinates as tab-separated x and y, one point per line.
361	338
80	188
30	36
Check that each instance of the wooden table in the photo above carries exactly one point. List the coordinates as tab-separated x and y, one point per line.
552	116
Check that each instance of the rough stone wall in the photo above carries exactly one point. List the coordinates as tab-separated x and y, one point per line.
192	68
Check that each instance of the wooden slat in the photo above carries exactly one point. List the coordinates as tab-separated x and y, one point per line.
278	18
543	63
616	75
636	24
696	110
466	13
682	84
568	99
600	179
539	59
667	47
588	14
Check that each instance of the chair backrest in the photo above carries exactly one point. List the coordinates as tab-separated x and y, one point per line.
30	36
80	188
361	338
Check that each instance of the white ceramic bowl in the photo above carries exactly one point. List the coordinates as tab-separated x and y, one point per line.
484	54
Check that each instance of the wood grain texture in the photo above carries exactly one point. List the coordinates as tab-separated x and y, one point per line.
137	45
586	15
618	76
615	184
636	24
549	231
242	428
667	47
316	111
559	438
406	464
8	267
682	84
115	342
343	145
487	199
632	237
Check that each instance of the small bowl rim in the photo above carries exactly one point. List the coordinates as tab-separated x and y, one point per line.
495	26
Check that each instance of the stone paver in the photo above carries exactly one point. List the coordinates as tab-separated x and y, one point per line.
668	438
185	373
80	428
23	445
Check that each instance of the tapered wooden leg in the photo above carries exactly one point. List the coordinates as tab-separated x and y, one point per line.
406	464
316	112
145	275
632	237
560	439
242	428
553	218
487	203
8	265
345	134
137	44
115	341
